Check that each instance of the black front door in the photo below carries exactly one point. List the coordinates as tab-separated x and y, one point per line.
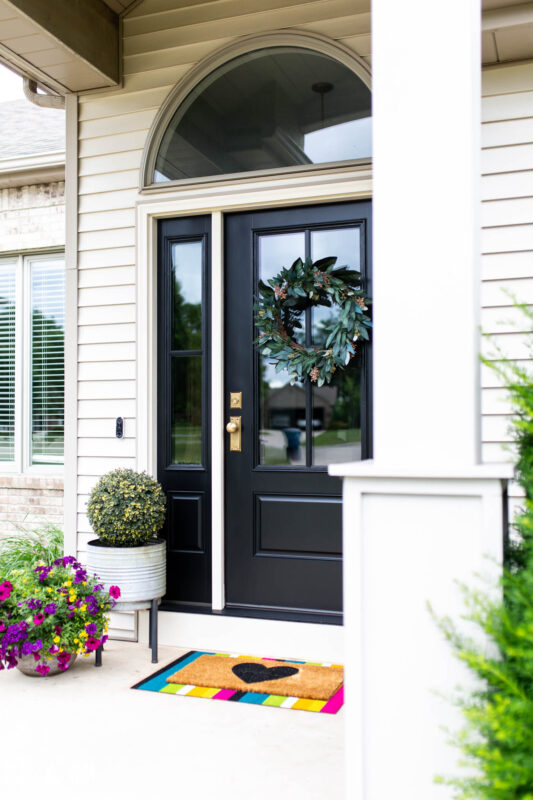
283	512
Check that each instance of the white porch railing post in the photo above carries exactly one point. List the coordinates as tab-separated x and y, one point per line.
424	512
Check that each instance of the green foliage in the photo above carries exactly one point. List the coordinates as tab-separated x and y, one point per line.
286	297
126	508
27	547
497	739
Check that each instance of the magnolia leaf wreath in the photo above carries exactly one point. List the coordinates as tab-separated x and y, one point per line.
281	304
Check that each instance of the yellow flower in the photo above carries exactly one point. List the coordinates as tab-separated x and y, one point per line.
56	639
83	634
76	641
49	590
83	607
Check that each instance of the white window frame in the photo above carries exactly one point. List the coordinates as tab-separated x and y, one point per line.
21	463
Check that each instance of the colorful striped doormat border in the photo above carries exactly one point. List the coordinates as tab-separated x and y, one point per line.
157	682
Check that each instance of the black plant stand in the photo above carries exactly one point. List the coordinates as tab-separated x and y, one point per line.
152	637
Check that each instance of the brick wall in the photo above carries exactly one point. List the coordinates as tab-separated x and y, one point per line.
30	499
32	217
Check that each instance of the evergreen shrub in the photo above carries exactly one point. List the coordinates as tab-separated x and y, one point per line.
497	738
126	508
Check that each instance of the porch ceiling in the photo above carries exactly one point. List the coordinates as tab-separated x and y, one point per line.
73	45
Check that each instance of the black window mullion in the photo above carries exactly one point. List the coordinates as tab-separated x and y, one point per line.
308	385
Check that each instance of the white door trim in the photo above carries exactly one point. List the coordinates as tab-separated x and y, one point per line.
353	183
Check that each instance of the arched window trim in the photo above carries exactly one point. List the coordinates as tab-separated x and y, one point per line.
246	44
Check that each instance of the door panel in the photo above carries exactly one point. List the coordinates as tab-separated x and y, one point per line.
283	512
184	405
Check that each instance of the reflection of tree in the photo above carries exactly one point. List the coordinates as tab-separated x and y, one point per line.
347	408
186	378
186	321
48	374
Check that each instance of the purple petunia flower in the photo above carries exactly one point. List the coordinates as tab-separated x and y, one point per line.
92	644
33	604
43	572
80	576
26	648
91	629
63	658
51	608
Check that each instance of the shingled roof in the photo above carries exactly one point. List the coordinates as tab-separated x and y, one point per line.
27	130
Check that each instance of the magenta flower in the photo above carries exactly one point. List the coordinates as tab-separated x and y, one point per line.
58	629
114	591
53	649
42	669
38	619
92	644
5	590
2	626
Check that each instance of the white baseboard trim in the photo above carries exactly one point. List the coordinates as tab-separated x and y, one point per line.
263	637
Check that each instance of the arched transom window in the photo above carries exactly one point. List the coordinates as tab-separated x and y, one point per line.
273	108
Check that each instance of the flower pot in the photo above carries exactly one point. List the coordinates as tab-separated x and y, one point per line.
27	664
139	572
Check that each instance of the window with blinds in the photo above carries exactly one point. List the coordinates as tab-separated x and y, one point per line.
47	325
8	278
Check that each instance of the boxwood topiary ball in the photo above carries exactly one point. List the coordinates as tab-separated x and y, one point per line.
126	508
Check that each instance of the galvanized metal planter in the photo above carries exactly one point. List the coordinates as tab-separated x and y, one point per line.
27	664
139	572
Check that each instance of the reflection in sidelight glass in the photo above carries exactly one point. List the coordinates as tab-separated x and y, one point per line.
187	263
282	406
186	411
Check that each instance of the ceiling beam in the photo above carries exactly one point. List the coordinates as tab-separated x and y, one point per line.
88	28
508	17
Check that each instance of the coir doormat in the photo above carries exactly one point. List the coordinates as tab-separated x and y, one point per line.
300	685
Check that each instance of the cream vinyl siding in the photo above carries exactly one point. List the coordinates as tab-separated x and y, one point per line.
507	240
161	44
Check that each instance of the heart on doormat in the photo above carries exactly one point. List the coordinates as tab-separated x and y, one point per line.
250	672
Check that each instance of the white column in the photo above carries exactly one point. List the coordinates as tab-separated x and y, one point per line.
423	513
426	110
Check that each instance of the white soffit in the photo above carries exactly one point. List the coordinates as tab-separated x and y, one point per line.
29	45
507	31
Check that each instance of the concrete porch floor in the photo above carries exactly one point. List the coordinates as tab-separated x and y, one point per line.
87	734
